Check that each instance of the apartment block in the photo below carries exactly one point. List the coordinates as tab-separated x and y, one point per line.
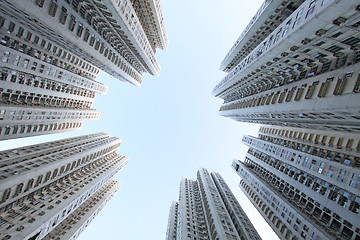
52	51
119	37
77	221
296	64
207	209
304	182
54	189
43	89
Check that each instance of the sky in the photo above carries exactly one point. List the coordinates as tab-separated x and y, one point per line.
170	126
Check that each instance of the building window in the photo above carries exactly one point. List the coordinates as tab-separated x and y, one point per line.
311	8
40	3
53	8
324	2
11	27
79	30
286	28
297	18
38	181
72	23
63	15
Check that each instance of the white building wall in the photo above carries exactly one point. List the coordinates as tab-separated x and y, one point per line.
315	172
306	66
279	213
242	223
204	212
266	19
17	121
305	21
43	88
172	222
42	184
100	32
75	223
329	102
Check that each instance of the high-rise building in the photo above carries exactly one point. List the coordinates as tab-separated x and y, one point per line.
296	69
53	190
296	64
119	37
207	209
43	89
51	53
172	221
304	182
78	220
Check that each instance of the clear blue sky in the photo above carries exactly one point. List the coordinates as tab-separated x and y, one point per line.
170	126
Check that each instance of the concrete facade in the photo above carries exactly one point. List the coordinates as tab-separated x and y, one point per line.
207	209
301	72
73	225
44	89
172	221
43	185
304	182
109	34
295	68
52	51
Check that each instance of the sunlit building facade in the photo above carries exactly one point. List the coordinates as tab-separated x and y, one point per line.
52	51
74	224
53	190
119	37
304	182
296	64
295	68
207	209
43	88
